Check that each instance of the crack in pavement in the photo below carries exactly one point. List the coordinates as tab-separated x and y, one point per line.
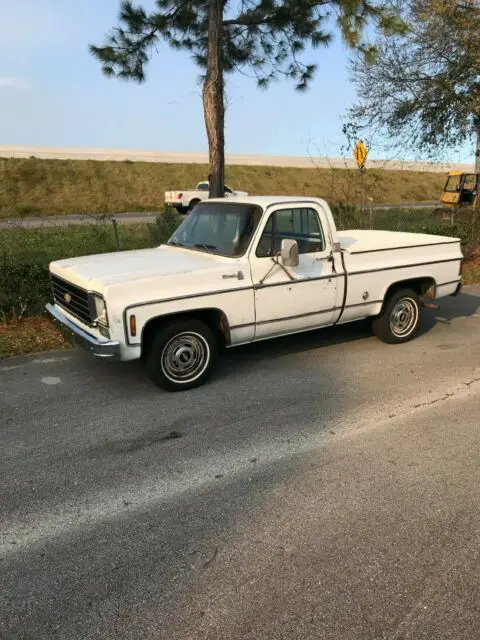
436	401
469	384
448	395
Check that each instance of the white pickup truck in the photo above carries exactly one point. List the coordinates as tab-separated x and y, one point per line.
236	272
185	201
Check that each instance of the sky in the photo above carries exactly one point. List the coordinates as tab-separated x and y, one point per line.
52	92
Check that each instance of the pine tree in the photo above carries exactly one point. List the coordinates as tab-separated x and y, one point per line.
266	36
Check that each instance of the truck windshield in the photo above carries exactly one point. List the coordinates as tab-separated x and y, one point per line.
222	228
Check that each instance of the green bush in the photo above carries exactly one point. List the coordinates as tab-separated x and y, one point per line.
24	289
165	226
25	255
346	216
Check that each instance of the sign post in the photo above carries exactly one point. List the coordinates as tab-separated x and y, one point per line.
360	154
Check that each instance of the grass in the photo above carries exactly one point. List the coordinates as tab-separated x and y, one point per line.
471	274
471	271
43	245
33	187
25	255
24	287
31	335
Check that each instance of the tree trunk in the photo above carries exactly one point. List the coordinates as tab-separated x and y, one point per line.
213	100
477	153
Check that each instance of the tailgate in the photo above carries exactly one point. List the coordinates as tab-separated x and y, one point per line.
173	195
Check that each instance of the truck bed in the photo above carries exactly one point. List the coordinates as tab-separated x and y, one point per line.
374	260
360	241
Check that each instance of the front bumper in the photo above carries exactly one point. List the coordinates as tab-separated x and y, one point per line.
108	349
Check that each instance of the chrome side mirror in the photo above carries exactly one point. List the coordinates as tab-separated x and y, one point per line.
289	253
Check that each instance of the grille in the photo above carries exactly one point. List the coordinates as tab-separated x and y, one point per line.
72	298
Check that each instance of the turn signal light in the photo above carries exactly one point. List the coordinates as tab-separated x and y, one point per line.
133	325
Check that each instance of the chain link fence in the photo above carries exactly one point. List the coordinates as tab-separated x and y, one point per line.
463	223
26	252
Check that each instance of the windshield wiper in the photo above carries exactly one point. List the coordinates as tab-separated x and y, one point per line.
208	247
174	243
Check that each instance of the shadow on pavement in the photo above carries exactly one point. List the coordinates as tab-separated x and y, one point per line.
126	575
464	305
250	356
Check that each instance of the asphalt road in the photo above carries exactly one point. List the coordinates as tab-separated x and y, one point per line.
325	486
149	216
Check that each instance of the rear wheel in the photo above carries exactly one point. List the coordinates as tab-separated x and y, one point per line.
182	355
192	205
181	210
400	318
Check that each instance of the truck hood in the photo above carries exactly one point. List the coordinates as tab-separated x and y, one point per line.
97	272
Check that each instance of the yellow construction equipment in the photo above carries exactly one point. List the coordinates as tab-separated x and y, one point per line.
460	190
458	201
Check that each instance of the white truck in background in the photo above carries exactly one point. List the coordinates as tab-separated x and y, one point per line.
247	269
184	201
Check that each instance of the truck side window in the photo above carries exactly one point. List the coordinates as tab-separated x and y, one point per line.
301	225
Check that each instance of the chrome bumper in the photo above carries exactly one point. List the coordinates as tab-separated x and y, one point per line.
99	348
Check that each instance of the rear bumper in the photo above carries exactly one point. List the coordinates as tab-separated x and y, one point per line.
107	349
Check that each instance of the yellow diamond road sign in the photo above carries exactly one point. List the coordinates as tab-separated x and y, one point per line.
360	153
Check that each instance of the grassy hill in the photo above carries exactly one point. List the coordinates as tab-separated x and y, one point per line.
33	187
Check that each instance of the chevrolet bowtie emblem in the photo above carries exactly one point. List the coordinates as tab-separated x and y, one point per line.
68	298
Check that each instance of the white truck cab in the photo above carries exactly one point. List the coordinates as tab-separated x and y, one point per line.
238	271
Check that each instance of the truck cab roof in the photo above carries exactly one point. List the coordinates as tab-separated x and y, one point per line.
268	201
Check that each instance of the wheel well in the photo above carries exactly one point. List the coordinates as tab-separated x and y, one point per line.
215	319
425	287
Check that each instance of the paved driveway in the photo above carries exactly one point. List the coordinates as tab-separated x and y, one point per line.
321	486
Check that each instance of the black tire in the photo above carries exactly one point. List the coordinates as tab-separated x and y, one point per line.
182	355
182	210
399	320
192	205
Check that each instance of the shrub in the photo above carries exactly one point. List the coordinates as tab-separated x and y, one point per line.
347	216
165	226
24	289
25	255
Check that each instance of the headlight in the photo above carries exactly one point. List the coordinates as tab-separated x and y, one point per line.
100	314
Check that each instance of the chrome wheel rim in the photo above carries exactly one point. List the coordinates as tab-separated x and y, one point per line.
404	317
185	357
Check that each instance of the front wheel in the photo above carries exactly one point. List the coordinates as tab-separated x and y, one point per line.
399	320
182	355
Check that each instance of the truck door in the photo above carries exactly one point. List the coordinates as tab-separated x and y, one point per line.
294	298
